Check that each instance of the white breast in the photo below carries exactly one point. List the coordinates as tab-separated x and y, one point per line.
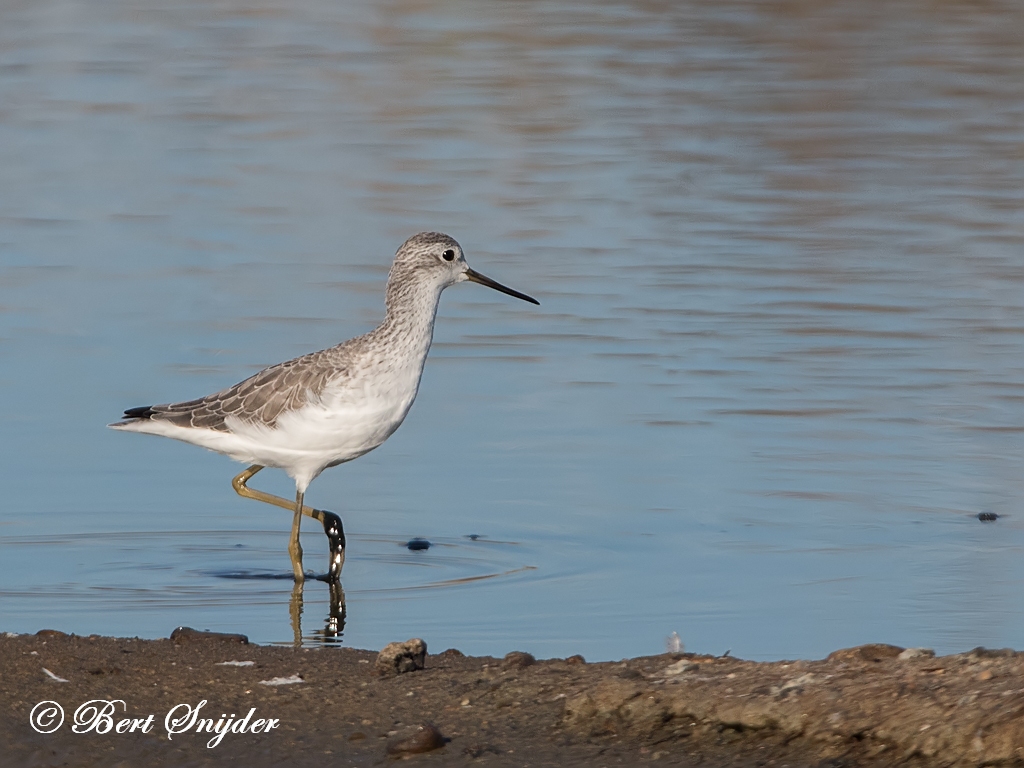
346	422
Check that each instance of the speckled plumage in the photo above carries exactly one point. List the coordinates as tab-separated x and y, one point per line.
331	406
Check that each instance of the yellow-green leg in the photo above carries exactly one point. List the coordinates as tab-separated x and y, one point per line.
294	547
239	484
330	521
295	613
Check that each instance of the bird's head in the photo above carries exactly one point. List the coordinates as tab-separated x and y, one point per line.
437	259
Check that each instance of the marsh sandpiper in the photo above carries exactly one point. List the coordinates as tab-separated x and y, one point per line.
327	407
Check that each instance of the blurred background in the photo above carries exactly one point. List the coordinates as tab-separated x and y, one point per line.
776	374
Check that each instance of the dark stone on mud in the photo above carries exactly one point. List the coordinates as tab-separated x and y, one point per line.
189	635
415	741
518	660
417	545
873	652
399	658
988	517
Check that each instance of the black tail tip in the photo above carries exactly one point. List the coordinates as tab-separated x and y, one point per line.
142	412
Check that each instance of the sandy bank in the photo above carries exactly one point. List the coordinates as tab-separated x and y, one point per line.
864	706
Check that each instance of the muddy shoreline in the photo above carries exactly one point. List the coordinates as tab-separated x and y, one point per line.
873	705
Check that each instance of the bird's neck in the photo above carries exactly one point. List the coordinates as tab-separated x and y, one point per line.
409	320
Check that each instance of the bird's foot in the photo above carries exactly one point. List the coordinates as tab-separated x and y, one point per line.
336	545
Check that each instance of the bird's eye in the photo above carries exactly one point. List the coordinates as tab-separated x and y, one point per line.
448	255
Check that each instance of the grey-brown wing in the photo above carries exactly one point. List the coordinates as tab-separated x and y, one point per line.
260	399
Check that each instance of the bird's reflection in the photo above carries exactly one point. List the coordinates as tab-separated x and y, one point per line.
334	624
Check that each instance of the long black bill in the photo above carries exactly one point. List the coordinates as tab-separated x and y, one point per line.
476	277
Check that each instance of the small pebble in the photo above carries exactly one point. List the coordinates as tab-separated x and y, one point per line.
103	670
680	667
518	660
916	653
798	682
399	658
991	653
189	635
415	741
417	545
479	750
874	652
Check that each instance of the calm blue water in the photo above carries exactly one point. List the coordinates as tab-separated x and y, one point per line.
777	371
